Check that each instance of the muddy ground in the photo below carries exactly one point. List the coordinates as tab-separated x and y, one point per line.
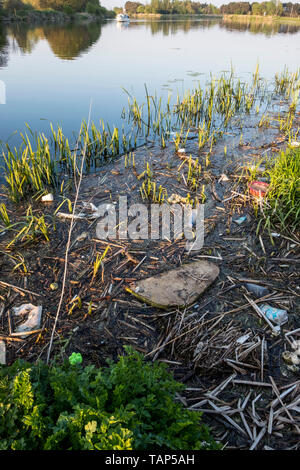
199	343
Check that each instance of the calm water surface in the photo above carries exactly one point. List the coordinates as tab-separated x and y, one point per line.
53	72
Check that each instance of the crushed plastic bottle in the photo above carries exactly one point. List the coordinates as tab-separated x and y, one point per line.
276	315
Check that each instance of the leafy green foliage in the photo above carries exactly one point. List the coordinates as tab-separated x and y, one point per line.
128	405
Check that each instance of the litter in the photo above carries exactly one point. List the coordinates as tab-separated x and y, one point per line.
276	315
34	316
2	353
291	358
63	215
258	291
258	188
48	198
241	220
258	169
75	358
295	144
176	199
243	338
223	178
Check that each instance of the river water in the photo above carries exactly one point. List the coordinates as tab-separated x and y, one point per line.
53	74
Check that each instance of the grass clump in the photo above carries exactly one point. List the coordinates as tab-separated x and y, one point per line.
281	207
128	405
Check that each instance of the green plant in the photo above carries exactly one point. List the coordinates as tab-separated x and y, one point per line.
281	206
99	262
128	405
4	217
29	229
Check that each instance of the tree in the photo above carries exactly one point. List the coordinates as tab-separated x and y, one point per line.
131	7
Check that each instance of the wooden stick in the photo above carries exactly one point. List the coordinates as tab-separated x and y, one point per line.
283	405
18	289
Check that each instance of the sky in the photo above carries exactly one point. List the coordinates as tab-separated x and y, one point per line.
120	3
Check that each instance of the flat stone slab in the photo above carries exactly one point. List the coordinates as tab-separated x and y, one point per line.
176	288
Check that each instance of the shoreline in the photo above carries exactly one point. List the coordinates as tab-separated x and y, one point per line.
51	16
208	148
224	17
261	19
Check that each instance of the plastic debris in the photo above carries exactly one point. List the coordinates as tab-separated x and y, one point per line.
243	339
296	345
48	198
63	215
34	316
276	315
223	178
291	358
258	291
258	169
258	188
241	220
54	286
75	358
2	353
181	151
295	144
176	199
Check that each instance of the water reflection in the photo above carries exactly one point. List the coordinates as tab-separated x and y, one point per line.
25	36
3	49
54	72
67	42
172	26
70	41
260	27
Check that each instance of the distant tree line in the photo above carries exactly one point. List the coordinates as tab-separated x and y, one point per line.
67	6
187	7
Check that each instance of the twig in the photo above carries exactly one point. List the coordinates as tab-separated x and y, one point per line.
69	241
